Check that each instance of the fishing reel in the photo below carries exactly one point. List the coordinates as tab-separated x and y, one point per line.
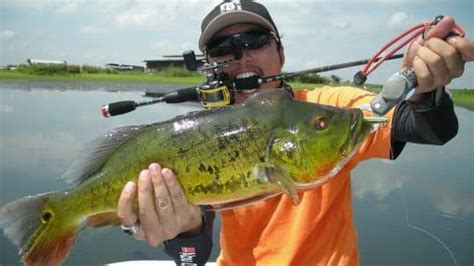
218	89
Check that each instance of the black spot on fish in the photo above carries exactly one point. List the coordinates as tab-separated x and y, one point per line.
202	168
217	179
233	184
210	170
212	188
221	144
181	152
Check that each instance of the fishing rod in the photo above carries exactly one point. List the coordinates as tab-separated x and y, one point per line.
214	92
219	89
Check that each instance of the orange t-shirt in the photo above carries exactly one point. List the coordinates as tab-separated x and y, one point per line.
318	231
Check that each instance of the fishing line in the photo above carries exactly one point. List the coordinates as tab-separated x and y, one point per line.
421	229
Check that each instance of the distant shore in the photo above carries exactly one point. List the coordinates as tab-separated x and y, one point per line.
461	97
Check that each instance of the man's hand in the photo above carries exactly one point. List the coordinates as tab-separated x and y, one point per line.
437	61
163	210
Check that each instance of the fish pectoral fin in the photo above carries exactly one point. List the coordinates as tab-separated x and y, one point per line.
241	203
103	219
279	176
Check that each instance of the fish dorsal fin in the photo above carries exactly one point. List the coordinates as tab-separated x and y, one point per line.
95	153
19	219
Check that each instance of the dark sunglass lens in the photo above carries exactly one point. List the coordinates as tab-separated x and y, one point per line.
220	46
219	51
255	39
252	39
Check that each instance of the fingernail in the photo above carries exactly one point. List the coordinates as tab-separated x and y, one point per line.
154	168
452	40
129	187
167	175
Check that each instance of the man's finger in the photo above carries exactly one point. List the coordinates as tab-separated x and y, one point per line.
464	46
175	190
436	65
423	75
147	212
125	205
189	216
163	203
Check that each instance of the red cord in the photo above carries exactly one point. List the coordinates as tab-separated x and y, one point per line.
410	34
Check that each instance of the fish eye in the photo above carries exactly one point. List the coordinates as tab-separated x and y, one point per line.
320	122
46	216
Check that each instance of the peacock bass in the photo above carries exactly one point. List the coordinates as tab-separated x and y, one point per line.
226	157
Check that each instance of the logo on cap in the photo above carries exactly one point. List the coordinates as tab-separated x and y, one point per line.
231	6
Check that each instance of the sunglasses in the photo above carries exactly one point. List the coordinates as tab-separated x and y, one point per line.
250	39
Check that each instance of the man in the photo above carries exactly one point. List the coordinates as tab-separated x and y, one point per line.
320	230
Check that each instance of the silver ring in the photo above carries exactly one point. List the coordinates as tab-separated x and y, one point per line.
132	229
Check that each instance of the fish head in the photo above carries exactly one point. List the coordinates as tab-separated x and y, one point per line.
318	141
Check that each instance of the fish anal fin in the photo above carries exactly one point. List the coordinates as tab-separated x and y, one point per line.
103	219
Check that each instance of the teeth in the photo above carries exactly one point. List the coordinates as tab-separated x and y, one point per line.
245	75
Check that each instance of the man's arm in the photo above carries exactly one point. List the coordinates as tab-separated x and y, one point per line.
429	121
429	116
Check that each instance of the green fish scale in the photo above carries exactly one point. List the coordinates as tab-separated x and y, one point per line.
213	159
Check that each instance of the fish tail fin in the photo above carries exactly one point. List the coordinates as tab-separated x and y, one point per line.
42	236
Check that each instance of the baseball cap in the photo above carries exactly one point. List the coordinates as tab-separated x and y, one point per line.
231	12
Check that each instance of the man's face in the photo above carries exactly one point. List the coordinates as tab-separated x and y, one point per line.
265	61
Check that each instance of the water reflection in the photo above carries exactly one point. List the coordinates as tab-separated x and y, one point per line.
41	132
436	184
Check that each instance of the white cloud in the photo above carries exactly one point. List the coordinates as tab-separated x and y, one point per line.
378	184
341	22
136	17
6	34
400	20
455	204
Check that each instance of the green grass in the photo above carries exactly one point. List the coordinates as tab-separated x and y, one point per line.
158	77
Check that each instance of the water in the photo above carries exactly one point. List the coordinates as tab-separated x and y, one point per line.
416	210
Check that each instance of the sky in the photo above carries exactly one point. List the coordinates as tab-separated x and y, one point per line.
315	33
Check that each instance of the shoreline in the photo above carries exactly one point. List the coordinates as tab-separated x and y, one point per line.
154	83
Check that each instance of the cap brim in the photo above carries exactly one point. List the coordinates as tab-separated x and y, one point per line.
231	18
